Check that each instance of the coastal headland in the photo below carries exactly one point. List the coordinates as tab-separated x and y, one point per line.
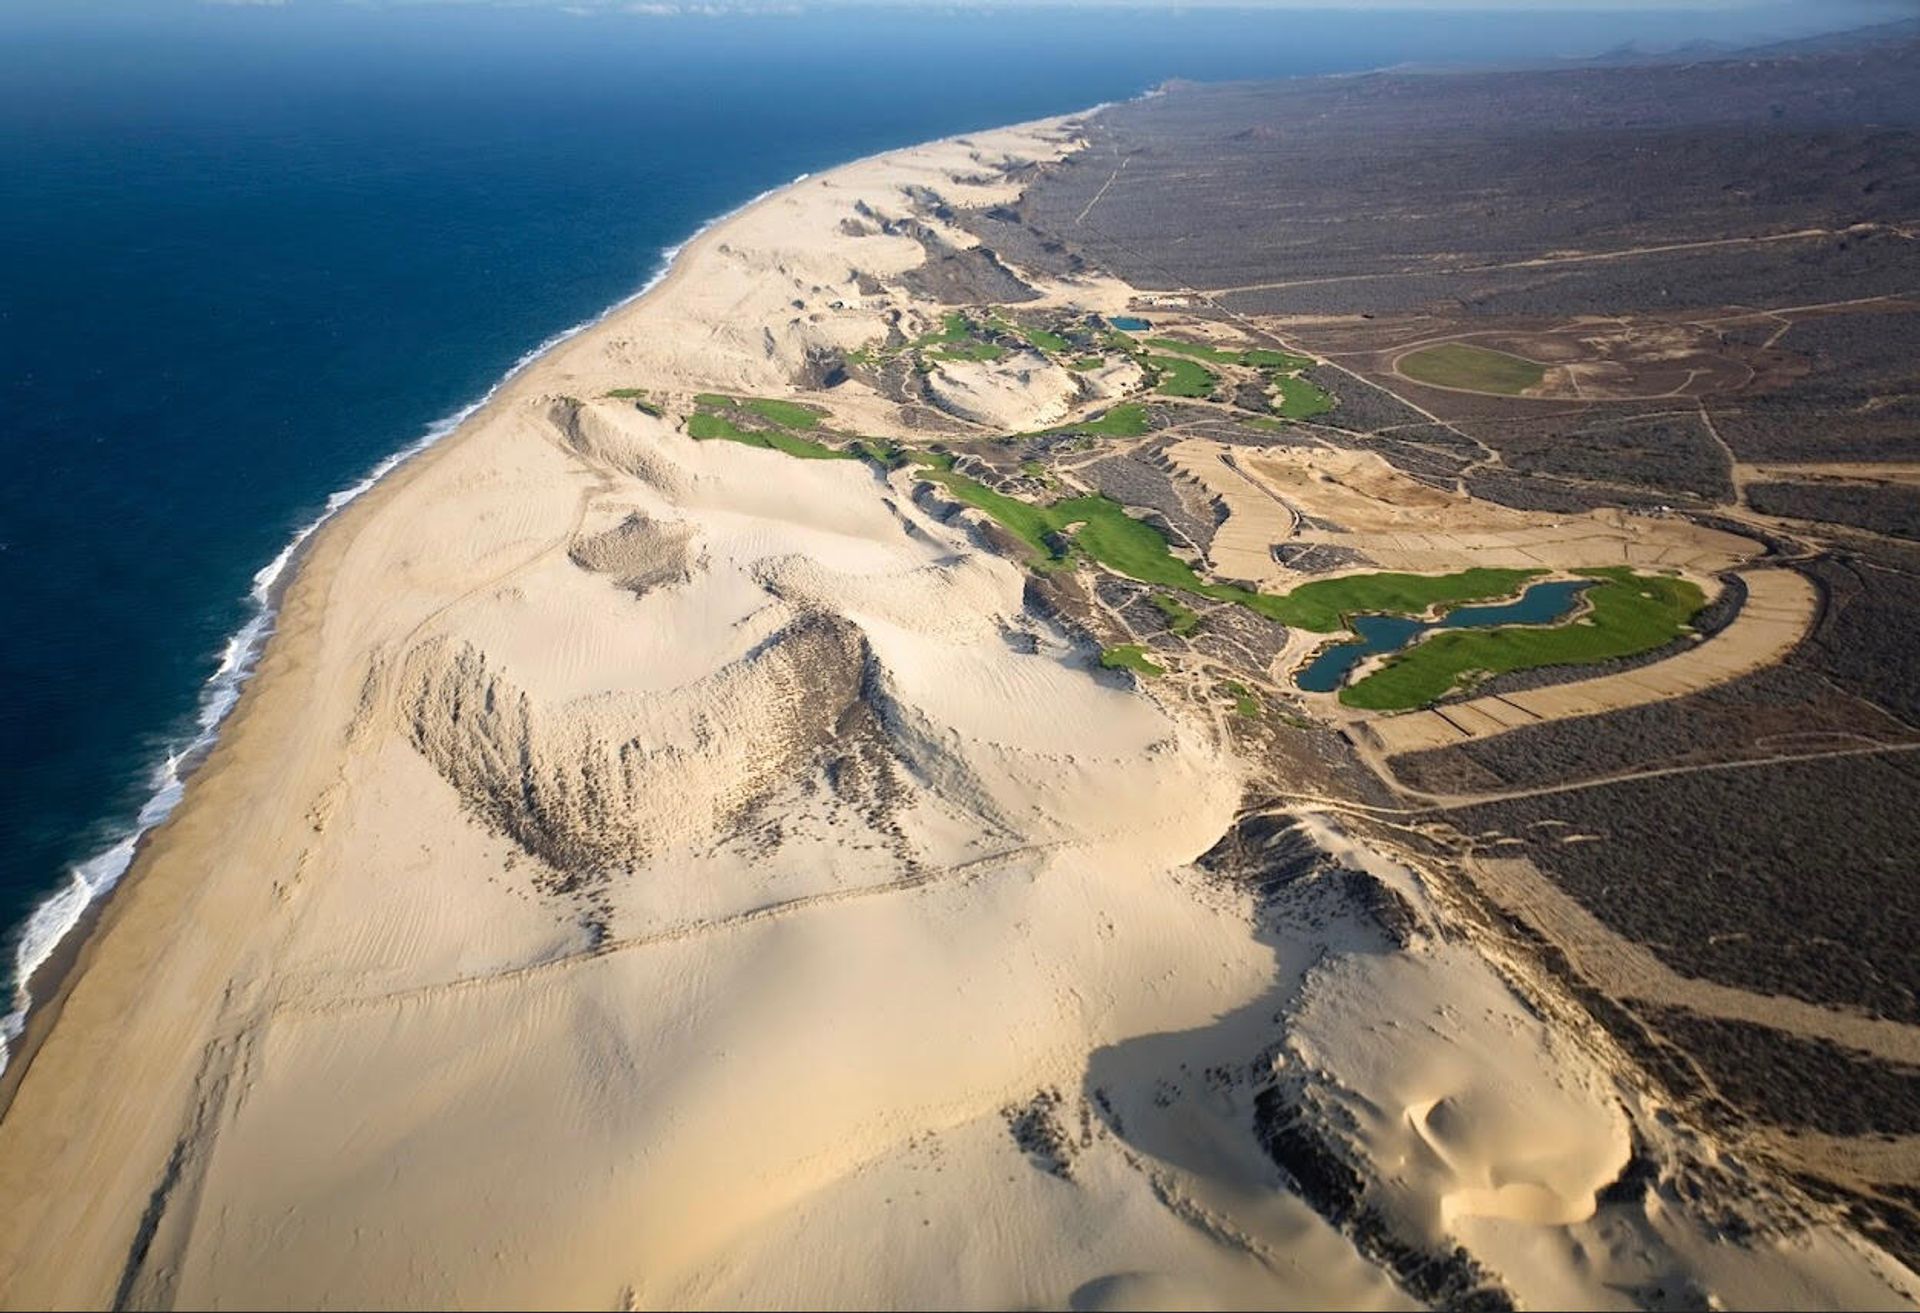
803	799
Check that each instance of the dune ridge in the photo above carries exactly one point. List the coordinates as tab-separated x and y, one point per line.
660	873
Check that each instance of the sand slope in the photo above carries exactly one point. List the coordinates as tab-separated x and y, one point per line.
658	873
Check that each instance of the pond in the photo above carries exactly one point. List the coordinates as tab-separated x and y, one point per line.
1541	604
1127	325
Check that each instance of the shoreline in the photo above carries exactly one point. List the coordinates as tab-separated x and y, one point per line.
643	859
193	941
40	988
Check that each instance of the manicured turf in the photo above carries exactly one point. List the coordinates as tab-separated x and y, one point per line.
1181	378
706	428
1211	354
712	401
1630	614
1323	605
1087	362
954	327
1102	529
1300	399
787	414
1265	423
1261	358
1126	420
969	351
1256	358
1130	656
1244	702
1474	368
1039	337
958	338
1180	617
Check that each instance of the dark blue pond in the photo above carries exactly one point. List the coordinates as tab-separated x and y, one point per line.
1542	604
1127	325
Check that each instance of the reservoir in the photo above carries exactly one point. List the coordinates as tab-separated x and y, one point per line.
1127	325
1541	604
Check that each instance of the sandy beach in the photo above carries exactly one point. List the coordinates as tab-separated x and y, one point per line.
647	872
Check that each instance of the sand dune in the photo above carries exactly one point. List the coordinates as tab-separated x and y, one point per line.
652	873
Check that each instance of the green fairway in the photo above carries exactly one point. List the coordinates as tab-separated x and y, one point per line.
1256	358
1126	420
1178	377
787	414
1472	368
1039	338
706	428
1244	702
969	351
958	338
954	327
1085	363
1324	605
1299	399
1630	614
1130	656
1261	358
1101	528
1180	617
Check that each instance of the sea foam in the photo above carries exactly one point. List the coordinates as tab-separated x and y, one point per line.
55	918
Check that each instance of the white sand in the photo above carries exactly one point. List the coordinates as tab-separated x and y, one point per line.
871	868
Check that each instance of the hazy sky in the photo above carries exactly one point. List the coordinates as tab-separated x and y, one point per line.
1810	9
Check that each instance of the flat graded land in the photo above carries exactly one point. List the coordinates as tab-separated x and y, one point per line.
1359	502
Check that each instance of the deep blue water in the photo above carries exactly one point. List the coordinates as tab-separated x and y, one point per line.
1540	604
245	252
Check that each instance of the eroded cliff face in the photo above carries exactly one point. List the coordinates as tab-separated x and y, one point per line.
603	782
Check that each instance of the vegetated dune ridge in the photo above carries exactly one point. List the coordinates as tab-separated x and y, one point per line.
649	872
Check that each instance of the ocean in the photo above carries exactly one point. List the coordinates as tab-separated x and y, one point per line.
250	252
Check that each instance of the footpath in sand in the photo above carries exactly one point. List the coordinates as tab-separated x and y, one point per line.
649	872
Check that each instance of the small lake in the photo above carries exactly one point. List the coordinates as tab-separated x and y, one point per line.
1126	325
1541	604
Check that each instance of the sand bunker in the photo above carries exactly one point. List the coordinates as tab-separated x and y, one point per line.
1357	501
